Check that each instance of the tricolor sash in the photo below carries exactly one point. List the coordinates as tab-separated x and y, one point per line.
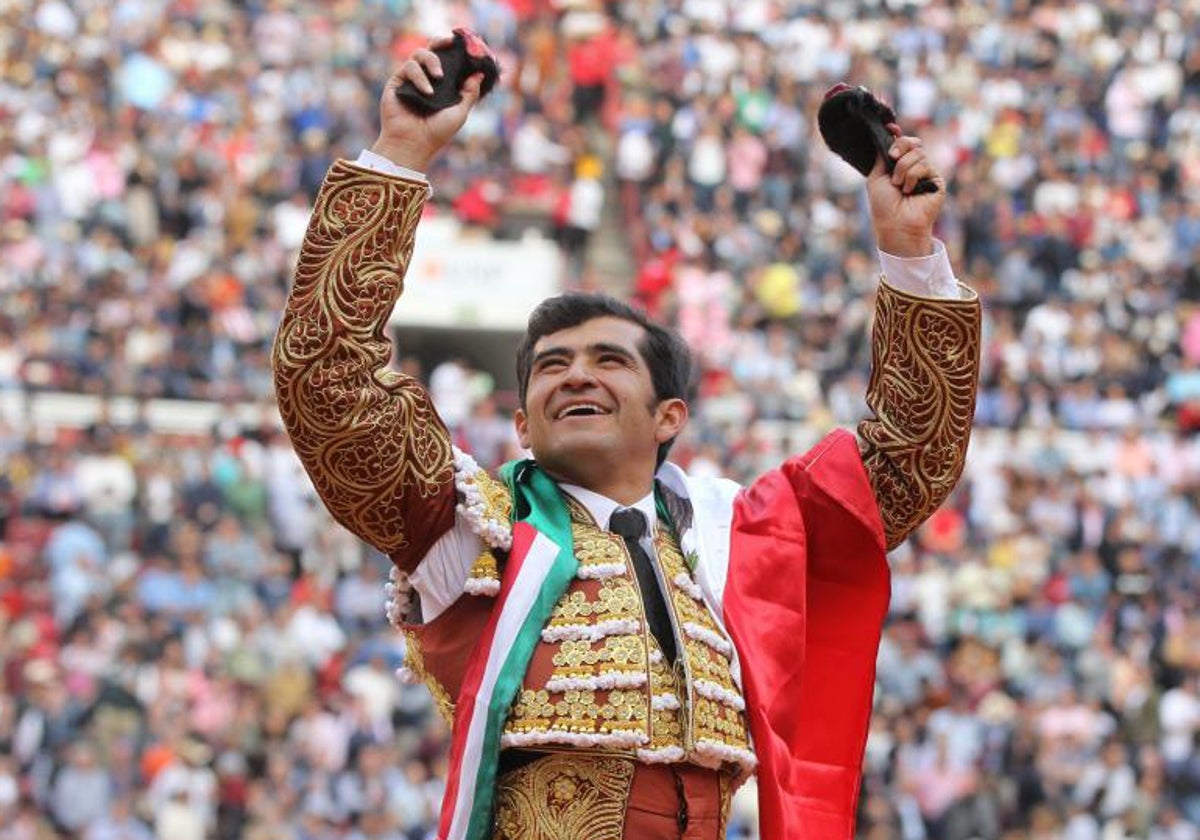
540	567
803	599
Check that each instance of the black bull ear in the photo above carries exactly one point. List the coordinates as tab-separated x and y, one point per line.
853	122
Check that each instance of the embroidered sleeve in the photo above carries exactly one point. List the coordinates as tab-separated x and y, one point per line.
925	367
369	437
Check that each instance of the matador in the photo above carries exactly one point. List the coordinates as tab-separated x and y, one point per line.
619	644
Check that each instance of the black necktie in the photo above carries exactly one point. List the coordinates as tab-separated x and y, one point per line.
630	524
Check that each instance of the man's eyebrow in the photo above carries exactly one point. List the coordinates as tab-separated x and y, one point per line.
597	349
552	352
601	347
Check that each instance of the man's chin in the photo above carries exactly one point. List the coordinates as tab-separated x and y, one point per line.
570	460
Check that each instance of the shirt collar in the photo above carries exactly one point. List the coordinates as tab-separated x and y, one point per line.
601	507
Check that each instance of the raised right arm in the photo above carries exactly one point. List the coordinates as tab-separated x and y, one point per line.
369	437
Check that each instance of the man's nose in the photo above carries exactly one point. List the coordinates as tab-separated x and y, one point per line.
579	374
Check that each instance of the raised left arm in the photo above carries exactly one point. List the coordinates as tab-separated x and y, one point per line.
924	371
925	354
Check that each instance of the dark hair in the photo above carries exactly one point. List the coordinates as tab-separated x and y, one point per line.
665	352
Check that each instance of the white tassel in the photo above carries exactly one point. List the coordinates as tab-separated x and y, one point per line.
719	694
397	598
664	702
684	582
708	637
592	632
600	571
662	755
610	740
473	508
608	681
713	754
482	586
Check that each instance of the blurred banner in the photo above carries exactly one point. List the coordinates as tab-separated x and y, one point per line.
457	281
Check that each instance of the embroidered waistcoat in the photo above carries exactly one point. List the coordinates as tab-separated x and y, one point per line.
599	680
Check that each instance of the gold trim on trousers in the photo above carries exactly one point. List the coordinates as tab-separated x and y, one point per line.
575	795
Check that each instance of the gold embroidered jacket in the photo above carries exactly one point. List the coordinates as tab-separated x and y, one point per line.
372	442
382	462
924	372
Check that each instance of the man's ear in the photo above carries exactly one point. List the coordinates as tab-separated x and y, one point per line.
672	416
521	421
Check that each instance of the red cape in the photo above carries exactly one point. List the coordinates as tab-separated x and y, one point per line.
805	600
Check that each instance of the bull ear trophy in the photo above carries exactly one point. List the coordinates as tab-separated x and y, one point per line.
465	55
853	123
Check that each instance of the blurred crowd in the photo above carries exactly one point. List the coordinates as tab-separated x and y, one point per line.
190	648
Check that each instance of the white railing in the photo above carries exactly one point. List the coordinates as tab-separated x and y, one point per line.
49	410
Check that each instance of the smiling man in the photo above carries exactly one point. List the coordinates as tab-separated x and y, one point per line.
618	644
602	392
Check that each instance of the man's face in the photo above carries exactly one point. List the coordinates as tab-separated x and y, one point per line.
590	407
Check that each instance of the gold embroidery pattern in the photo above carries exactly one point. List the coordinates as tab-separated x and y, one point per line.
719	722
580	516
369	437
564	797
708	664
689	611
484	569
716	722
666	725
924	372
625	716
577	713
615	598
415	662
729	785
711	720
598	548
531	709
496	498
687	608
613	664
615	653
